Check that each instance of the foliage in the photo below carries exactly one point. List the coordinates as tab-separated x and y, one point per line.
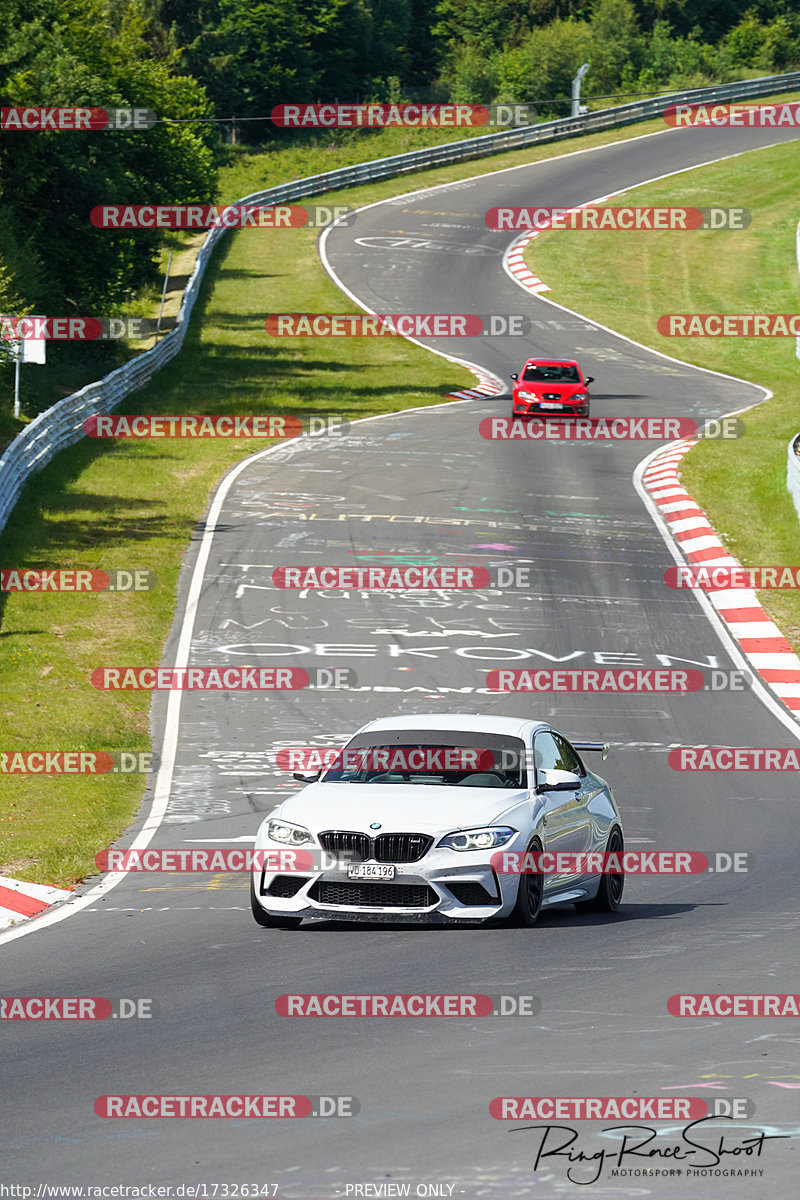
72	53
198	63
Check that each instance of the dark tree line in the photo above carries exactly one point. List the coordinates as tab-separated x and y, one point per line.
214	59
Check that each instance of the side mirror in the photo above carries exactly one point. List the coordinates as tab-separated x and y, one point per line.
306	778
514	375
557	781
589	379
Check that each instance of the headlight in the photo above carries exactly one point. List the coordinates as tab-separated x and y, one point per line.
526	396
289	835
580	396
478	839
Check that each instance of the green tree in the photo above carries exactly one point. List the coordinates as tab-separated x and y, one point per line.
340	43
616	44
468	77
483	25
68	54
746	40
257	56
542	68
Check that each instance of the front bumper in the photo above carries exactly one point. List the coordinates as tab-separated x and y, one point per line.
477	893
565	408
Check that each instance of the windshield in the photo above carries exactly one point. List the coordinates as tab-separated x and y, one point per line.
444	757
555	373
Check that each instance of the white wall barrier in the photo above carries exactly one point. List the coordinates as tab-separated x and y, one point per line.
793	464
793	472
62	425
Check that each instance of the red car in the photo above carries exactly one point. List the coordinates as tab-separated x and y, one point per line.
551	386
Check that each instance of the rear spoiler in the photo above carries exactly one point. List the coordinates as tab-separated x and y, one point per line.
599	746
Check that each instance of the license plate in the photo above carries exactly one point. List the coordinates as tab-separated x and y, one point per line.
558	406
371	871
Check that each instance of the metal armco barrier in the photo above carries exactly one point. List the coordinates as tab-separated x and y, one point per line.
797	257
62	425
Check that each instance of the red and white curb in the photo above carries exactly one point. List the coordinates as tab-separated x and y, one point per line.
761	641
516	265
20	900
488	385
514	257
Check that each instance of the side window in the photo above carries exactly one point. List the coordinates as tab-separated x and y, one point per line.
567	758
545	752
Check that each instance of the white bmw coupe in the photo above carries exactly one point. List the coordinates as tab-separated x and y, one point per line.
410	822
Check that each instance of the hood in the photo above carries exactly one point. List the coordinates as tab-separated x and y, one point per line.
398	807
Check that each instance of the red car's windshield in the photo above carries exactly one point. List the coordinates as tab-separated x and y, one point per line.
551	374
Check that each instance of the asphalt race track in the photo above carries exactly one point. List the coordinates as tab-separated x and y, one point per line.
423	486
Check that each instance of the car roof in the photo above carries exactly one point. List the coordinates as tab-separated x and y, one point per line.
552	362
468	722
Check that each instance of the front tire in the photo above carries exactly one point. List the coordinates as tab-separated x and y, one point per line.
609	894
528	905
264	919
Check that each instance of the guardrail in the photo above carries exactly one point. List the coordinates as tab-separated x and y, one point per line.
797	256
62	425
793	463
